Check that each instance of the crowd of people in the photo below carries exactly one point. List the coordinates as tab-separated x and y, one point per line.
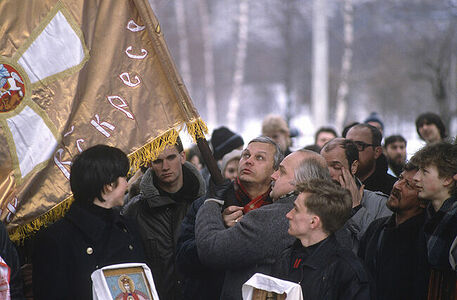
348	217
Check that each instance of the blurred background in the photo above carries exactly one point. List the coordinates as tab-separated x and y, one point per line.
315	62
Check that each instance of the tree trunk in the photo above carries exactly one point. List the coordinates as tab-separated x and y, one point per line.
288	59
184	64
346	64
238	74
210	94
319	90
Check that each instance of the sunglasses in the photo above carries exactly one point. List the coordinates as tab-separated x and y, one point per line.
362	145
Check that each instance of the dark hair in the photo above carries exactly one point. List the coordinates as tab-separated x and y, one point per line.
94	168
179	145
409	166
332	203
443	155
376	135
430	118
350	148
194	151
313	147
393	139
324	129
347	127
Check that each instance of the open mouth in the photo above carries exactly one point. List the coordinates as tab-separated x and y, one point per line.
246	171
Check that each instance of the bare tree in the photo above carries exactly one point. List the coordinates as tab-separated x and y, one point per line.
238	74
208	55
319	91
289	57
184	62
346	64
437	66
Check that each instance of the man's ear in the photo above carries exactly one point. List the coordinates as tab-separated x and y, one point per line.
183	157
377	152
107	188
316	222
354	167
448	181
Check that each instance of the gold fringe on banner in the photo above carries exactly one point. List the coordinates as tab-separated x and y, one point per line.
197	129
151	150
19	234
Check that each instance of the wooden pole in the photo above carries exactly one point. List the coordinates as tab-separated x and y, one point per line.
210	162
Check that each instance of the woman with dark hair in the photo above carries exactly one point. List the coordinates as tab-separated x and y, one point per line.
92	234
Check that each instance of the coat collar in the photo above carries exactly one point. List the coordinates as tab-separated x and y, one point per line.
151	194
319	258
88	223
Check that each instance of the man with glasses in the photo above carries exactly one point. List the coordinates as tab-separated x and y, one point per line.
393	248
373	166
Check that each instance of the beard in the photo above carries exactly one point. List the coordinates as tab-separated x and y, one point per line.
397	195
396	165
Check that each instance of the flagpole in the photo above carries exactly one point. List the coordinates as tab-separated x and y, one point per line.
210	162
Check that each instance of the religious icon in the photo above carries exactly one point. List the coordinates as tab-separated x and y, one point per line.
128	284
267	295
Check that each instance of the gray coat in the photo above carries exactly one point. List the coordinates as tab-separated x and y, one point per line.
251	246
372	207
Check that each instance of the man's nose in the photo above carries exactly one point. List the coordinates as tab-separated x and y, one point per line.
165	164
397	186
274	176
250	160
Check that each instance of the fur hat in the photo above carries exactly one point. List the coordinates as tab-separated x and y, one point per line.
274	123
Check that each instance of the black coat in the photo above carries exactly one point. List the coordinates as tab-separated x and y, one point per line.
200	282
380	181
396	257
328	271
87	238
9	255
159	216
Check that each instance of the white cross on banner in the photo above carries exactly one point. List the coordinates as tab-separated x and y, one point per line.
76	73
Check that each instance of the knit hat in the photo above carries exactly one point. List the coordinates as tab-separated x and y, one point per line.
374	117
223	141
235	154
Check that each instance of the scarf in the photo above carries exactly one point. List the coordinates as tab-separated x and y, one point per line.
439	232
243	197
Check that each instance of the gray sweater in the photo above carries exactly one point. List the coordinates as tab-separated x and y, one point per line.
251	246
372	207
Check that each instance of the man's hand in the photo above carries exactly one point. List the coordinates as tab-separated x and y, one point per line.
232	215
218	191
347	181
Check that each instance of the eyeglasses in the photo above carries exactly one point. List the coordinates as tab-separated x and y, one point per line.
362	145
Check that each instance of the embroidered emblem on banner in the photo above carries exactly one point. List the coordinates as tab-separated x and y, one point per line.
12	88
53	51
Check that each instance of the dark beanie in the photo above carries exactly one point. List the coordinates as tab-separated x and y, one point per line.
374	117
224	141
